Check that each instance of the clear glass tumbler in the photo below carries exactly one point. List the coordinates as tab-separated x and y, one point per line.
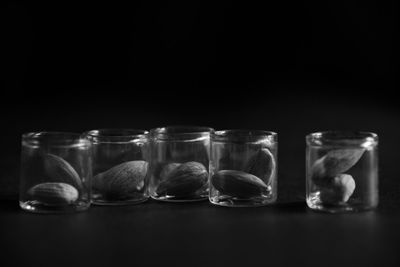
243	168
179	163
120	164
342	171
55	172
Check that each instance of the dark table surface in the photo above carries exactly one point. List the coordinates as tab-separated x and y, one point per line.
200	234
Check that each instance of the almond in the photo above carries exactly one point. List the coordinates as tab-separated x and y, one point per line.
121	181
183	180
59	170
340	190
167	169
261	165
54	193
238	184
233	156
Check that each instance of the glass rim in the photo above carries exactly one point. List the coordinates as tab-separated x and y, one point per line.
55	138
246	135
39	134
180	132
342	137
111	133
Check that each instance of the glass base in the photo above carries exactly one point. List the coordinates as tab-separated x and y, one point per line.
112	200
37	207
228	201
103	202
168	198
317	205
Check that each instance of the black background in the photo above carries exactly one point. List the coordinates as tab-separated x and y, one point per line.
292	68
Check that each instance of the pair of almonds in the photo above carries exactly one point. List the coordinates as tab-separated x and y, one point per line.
182	179
65	184
121	181
335	186
252	182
